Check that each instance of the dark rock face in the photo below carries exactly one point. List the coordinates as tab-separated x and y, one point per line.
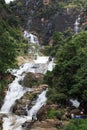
44	20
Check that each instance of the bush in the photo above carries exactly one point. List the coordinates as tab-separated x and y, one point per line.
51	114
77	124
55	114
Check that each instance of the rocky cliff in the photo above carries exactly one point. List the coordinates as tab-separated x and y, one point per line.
44	17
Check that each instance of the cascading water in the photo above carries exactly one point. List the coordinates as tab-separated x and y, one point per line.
39	103
76	25
75	103
8	1
16	91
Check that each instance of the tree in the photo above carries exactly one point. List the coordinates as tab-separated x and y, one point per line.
69	76
7	52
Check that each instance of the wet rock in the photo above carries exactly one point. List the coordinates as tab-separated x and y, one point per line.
27	125
21	112
28	100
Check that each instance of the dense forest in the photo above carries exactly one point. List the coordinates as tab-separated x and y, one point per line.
68	80
11	43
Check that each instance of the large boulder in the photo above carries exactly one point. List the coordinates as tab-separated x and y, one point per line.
75	112
32	79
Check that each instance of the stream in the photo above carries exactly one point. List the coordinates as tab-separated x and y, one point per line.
16	91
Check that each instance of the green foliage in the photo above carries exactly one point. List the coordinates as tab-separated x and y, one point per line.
49	10
10	44
7	51
59	114
69	77
56	96
19	4
51	113
77	124
58	40
13	21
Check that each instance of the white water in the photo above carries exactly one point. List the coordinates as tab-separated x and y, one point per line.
8	1
76	25
16	91
75	103
41	100
31	37
13	122
42	64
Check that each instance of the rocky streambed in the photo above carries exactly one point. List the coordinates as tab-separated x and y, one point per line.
25	106
25	95
28	100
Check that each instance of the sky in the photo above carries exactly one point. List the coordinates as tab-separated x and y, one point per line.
7	1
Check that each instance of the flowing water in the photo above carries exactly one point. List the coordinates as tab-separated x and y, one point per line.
75	103
8	1
76	25
16	91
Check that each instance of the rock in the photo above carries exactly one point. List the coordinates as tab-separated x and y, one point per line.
21	112
27	125
1	123
42	113
23	59
53	106
20	107
48	124
75	111
40	88
44	18
32	79
28	100
29	80
38	128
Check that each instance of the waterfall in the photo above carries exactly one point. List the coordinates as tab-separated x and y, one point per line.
8	1
41	100
31	37
75	103
16	91
76	25
13	122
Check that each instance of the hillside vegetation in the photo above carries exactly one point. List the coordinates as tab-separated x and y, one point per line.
11	43
69	77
